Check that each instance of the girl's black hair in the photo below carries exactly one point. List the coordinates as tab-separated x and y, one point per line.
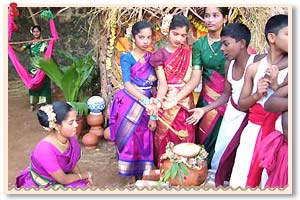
60	108
237	31
224	10
179	21
35	26
138	26
275	24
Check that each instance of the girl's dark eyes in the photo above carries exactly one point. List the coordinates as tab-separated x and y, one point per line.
143	37
208	15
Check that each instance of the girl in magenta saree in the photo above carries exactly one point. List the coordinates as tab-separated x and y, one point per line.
173	69
53	162
130	125
38	174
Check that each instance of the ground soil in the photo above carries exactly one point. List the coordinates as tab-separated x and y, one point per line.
24	132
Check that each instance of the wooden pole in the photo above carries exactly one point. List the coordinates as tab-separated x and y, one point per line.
32	16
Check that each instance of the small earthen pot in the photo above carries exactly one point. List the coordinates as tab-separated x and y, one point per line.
90	140
194	178
107	135
95	120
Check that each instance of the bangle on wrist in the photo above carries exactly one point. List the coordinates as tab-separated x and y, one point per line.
79	176
152	117
145	101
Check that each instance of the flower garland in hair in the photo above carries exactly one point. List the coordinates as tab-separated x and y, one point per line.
128	33
48	109
165	24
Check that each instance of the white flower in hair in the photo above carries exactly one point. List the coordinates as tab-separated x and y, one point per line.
48	109
165	24
128	33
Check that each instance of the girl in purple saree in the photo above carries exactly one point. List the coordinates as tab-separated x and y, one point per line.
130	125
53	162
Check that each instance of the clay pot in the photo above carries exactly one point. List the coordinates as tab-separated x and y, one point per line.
97	130
107	135
95	120
90	140
194	178
81	121
96	104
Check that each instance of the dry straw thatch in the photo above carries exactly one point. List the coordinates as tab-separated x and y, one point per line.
108	33
115	21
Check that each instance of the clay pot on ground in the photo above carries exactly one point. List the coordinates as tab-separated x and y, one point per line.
194	178
95	122
96	132
90	140
107	135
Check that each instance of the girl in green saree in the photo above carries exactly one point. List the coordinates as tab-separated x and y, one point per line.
37	49
208	58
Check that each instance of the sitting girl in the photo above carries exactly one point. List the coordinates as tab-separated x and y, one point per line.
53	162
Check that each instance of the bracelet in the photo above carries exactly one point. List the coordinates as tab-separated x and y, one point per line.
79	176
152	117
145	101
90	175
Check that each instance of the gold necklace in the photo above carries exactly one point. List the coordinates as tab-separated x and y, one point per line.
210	43
62	144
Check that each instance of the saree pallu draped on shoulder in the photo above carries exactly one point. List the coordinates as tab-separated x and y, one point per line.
177	69
129	123
36	174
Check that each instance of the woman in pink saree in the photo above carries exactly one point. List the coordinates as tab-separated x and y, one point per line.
53	162
173	68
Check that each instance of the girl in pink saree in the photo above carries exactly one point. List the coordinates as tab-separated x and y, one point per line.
53	162
173	68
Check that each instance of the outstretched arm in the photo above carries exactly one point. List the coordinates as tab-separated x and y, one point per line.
199	112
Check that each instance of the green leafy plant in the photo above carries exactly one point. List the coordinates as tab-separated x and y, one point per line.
176	169
70	79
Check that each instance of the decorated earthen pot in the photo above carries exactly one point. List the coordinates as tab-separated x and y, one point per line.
96	105
195	177
187	160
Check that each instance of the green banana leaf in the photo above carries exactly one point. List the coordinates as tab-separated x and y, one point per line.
71	79
80	107
70	84
52	70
